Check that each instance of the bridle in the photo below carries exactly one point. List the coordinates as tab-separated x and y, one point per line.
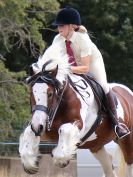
51	109
59	89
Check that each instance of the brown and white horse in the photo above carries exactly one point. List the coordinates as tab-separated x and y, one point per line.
65	115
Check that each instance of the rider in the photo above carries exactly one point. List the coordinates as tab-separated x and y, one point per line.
85	57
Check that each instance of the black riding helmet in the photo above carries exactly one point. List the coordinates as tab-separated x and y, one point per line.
67	15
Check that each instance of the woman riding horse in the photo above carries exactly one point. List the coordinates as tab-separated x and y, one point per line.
75	114
84	57
75	109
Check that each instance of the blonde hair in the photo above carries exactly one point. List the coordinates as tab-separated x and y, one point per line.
80	28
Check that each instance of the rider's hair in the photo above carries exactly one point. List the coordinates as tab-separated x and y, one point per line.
80	28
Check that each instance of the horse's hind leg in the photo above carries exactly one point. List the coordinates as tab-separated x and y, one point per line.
126	148
129	170
105	160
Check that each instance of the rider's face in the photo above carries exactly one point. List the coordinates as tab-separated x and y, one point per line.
65	31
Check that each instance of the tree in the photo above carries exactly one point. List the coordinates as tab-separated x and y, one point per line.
14	103
21	22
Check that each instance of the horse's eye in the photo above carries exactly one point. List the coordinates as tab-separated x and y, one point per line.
50	94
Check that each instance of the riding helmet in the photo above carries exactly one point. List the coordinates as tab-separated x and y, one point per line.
67	15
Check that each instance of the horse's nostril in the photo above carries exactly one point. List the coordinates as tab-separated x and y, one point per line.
41	128
64	164
39	131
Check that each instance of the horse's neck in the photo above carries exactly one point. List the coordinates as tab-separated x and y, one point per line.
86	92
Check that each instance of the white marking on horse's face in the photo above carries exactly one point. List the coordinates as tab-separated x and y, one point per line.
40	95
69	136
29	150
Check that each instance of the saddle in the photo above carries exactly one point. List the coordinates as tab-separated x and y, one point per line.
97	89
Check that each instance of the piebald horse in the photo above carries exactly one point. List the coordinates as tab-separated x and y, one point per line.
65	113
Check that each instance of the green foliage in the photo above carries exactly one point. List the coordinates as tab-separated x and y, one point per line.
14	103
20	24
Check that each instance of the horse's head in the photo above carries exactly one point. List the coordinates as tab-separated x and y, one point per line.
43	86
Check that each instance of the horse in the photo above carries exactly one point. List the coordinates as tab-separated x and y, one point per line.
65	110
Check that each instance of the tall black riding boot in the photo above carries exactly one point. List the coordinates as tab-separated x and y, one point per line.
120	129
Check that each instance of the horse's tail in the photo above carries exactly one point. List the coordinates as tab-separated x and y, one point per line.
121	163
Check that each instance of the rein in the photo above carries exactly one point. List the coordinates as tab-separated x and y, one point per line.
44	76
52	110
75	85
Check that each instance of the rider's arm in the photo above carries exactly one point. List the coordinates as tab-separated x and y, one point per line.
85	45
84	67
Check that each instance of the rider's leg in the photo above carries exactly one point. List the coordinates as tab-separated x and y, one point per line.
98	71
120	129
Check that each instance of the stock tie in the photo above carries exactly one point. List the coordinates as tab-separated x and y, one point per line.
70	53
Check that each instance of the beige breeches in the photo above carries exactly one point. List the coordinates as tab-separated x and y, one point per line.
97	70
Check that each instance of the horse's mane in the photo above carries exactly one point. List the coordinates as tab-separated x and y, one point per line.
58	58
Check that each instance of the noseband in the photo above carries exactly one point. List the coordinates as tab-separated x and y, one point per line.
40	108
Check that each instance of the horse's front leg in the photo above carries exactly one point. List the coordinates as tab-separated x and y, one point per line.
29	150
69	136
105	160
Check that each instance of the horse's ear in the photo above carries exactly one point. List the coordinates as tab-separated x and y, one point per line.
54	71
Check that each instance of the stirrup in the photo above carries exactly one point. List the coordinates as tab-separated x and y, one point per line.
121	134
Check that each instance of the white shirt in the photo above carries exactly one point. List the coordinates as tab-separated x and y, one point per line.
82	46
